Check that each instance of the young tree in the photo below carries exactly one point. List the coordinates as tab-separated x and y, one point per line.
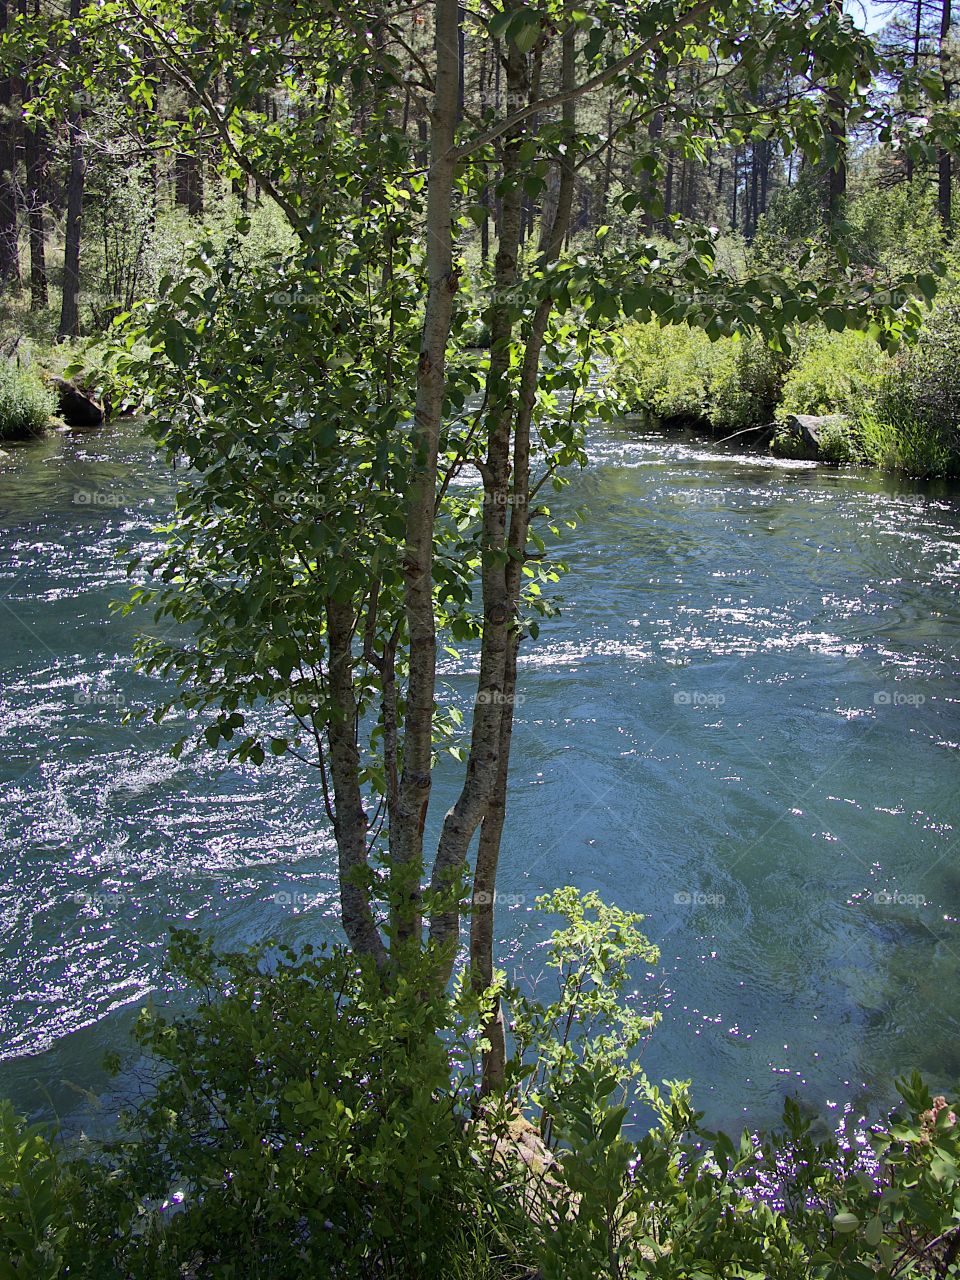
944	158
367	484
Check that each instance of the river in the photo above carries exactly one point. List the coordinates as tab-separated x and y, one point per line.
745	724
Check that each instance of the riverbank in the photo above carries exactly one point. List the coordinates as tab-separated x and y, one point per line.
834	397
46	387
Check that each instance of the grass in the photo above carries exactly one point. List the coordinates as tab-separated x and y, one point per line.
26	403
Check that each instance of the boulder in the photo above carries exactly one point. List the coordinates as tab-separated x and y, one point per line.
78	408
801	434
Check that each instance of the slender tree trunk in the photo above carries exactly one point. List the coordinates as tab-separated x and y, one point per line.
34	148
764	175
350	826
461	61
607	165
189	183
838	172
944	160
734	185
70	306
9	243
837	130
491	831
917	32
406	837
485	191
463	819
654	135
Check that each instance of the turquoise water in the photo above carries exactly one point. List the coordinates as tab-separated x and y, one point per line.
746	724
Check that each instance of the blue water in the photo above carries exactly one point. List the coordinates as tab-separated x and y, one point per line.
745	724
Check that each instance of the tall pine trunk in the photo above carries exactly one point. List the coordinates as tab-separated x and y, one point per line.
70	307
34	147
9	246
944	160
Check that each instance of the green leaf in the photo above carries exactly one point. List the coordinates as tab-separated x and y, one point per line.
844	1223
873	1232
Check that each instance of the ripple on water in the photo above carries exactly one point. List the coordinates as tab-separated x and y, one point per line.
743	724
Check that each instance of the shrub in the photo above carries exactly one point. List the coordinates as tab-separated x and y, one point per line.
308	1119
913	424
92	362
894	226
667	372
924	386
311	1125
26	405
745	392
788	444
906	444
833	373
838	443
678	373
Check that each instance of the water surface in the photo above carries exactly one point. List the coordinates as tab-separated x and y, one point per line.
745	724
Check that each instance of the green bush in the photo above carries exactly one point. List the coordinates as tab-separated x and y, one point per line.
26	405
838	444
903	411
309	1119
92	362
918	404
678	373
833	373
744	393
667	372
893	226
900	442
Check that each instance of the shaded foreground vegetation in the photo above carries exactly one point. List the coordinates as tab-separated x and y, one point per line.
303	1121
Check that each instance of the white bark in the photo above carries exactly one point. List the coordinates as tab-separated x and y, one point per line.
406	836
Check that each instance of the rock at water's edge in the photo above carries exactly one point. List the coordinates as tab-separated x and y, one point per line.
78	408
804	431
